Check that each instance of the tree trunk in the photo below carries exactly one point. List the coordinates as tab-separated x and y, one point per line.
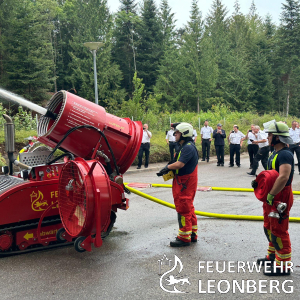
1	63
288	97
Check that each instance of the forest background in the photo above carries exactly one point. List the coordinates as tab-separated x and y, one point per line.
234	69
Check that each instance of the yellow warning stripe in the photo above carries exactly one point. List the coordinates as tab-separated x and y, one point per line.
283	256
185	232
185	237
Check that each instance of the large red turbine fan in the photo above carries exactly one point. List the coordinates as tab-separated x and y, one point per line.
84	210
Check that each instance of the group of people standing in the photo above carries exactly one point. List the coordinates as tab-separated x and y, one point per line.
257	140
207	133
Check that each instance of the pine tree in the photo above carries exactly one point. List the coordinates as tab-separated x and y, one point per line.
30	68
188	74
167	26
126	40
7	15
149	50
288	51
97	27
261	77
198	56
237	84
170	81
217	27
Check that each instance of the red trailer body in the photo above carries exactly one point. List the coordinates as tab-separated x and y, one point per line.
101	147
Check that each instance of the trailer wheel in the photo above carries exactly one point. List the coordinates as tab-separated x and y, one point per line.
78	242
59	235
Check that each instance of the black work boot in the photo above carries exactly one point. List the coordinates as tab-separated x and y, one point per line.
267	258
194	238
271	271
179	243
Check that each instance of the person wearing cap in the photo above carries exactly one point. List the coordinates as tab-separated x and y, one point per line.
235	139
145	147
219	135
184	185
170	138
261	139
295	136
206	132
276	230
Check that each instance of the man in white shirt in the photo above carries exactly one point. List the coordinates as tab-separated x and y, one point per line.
170	138
252	148
206	132
261	139
145	147
235	139
295	135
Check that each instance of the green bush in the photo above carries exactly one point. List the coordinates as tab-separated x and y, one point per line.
159	120
147	110
2	161
23	120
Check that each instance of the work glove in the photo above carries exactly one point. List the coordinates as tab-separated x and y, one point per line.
270	199
254	184
163	171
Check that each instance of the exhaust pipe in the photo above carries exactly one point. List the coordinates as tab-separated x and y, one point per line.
9	133
9	130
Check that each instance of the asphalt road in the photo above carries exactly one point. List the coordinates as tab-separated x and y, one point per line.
127	267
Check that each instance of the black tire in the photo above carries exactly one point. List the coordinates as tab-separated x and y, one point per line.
113	218
59	235
77	244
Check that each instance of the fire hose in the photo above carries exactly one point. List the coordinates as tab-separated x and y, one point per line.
204	214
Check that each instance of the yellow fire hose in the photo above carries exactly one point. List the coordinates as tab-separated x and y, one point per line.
218	188
200	213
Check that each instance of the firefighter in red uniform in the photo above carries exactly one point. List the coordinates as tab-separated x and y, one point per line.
276	228
184	186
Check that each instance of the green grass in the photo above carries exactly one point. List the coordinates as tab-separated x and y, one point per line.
20	135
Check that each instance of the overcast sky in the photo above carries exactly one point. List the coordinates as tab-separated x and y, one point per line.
182	8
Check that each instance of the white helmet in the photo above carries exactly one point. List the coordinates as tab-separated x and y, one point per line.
186	129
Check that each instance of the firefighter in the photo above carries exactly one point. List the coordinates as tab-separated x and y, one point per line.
184	187
276	229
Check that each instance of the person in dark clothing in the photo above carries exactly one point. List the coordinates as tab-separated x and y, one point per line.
145	147
170	138
206	132
261	139
184	186
235	139
219	135
252	148
295	136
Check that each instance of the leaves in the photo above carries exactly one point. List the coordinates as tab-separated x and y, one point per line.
245	62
